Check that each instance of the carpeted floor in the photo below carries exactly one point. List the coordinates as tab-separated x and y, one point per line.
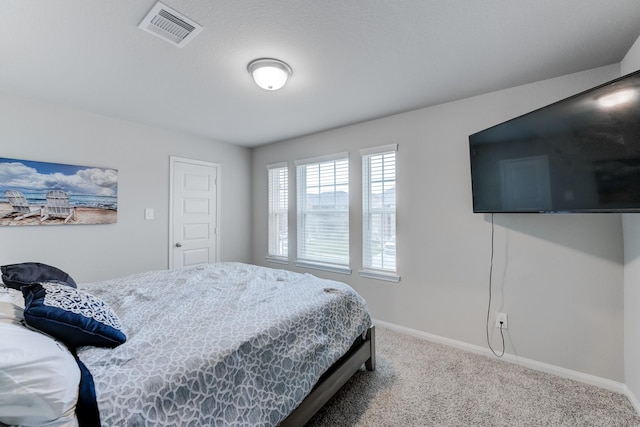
420	383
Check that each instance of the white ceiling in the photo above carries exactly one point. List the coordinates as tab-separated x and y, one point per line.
352	60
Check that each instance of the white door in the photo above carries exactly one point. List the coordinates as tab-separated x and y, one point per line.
193	234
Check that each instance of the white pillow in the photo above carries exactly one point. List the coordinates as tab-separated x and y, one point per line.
11	305
39	379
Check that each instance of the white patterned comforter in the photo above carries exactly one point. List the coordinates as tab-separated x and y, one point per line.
225	344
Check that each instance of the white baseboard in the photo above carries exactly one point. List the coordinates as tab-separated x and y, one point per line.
632	398
529	363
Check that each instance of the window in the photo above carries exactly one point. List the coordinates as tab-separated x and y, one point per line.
379	212
278	237
323	213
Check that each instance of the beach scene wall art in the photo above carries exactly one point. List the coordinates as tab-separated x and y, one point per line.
41	193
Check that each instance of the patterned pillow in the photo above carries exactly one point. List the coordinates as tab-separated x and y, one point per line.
27	273
75	317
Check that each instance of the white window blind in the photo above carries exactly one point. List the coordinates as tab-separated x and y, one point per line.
278	237
379	209
323	211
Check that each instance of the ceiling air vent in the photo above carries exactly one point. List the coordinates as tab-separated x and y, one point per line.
170	25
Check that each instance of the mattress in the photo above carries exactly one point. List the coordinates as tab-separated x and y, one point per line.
219	344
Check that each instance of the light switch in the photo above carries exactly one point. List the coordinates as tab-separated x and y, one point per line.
148	213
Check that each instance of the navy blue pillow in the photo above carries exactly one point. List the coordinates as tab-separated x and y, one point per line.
72	316
27	273
86	408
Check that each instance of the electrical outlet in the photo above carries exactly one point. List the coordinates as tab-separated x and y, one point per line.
501	320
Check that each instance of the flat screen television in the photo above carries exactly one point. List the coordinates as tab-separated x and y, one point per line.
580	154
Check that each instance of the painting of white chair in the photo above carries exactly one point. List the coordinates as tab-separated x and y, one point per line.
58	206
34	193
20	206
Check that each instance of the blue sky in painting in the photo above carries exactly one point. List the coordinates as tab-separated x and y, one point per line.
47	168
38	177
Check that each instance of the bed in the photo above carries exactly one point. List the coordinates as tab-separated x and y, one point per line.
226	344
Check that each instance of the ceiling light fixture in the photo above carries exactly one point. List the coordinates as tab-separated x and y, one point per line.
269	73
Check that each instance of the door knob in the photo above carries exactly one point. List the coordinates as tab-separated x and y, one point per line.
178	245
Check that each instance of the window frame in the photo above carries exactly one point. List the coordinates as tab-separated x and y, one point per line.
303	258
368	269
276	170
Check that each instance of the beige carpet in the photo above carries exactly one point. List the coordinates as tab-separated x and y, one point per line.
419	383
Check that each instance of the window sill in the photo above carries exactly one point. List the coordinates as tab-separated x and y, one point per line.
333	268
378	275
277	260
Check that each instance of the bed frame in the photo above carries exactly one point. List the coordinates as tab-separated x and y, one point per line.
361	352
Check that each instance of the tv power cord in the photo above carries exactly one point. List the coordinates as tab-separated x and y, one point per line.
489	305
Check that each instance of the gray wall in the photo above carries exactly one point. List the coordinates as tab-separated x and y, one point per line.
558	277
631	225
36	131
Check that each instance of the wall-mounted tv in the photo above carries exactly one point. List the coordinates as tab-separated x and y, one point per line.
580	154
